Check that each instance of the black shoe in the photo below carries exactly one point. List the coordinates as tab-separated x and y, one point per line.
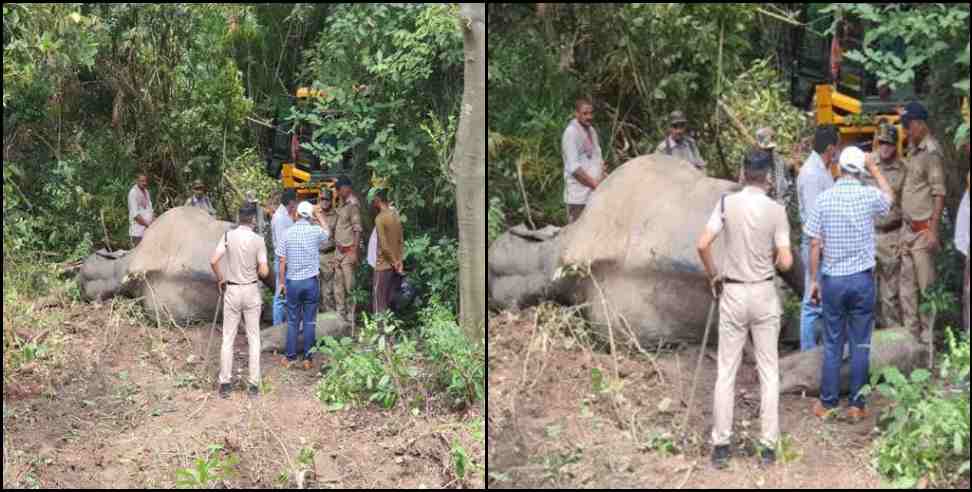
720	457
224	391
767	457
254	391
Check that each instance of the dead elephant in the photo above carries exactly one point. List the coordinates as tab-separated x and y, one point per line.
274	339
638	235
169	270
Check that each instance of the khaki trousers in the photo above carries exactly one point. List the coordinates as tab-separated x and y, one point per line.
327	284
343	283
888	276
241	301
917	275
748	309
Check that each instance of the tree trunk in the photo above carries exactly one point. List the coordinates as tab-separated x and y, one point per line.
469	167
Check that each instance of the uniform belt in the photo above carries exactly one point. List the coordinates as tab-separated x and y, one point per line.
345	249
240	285
890	228
733	281
919	225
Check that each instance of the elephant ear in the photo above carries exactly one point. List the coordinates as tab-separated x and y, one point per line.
545	234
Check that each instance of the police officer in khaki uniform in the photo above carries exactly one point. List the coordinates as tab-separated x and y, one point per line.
888	230
347	237
922	203
246	263
756	242
326	204
679	144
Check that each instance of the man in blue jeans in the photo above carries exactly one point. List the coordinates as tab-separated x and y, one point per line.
814	179
282	221
300	265
841	226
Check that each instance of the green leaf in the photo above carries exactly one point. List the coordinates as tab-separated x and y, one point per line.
920	376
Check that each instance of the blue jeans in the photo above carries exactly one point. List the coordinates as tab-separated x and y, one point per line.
848	304
279	303
303	297
809	313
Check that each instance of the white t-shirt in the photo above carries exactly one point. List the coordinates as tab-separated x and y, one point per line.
373	248
580	152
139	203
962	226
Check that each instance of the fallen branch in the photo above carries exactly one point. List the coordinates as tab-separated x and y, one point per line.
526	201
105	229
737	124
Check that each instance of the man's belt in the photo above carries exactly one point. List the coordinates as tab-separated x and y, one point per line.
893	227
733	281
234	283
919	225
346	250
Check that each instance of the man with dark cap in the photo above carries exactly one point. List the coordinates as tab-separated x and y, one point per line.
888	230
326	206
781	184
246	262
922	203
679	144
199	198
347	238
756	243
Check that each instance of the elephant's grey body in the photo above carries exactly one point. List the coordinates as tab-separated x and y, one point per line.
169	269
638	234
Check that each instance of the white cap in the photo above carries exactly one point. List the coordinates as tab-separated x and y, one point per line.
852	161
305	209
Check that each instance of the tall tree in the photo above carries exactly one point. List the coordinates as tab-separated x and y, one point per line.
469	167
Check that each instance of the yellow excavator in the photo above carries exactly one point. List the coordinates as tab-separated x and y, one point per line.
296	167
839	91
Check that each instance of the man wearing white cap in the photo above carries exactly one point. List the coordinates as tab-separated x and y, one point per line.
841	226
300	264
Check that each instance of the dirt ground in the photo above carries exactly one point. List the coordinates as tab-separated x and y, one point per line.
126	405
550	428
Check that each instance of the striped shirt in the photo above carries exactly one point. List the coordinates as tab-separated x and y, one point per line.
843	218
302	249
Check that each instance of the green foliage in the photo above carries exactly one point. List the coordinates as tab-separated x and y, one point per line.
926	31
927	428
436	268
359	375
457	362
208	472
396	63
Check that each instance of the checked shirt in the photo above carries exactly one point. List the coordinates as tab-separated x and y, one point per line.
843	218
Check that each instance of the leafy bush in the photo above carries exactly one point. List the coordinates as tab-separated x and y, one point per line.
458	363
927	434
496	219
369	372
434	268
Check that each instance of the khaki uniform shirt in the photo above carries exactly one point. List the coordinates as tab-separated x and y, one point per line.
894	172
390	242
331	218
924	180
687	150
755	227
348	222
245	251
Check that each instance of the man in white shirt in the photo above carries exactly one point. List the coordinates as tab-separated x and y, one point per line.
583	163
140	214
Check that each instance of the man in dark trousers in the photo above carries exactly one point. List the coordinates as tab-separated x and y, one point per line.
389	267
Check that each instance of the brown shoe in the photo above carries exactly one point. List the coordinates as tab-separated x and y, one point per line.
307	364
857	414
820	411
286	363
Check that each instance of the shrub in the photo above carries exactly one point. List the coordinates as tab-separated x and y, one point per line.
434	268
459	364
927	433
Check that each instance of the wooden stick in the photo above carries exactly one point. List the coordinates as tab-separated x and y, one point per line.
738	125
105	228
526	201
233	185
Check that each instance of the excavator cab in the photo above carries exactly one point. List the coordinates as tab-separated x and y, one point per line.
288	160
838	90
